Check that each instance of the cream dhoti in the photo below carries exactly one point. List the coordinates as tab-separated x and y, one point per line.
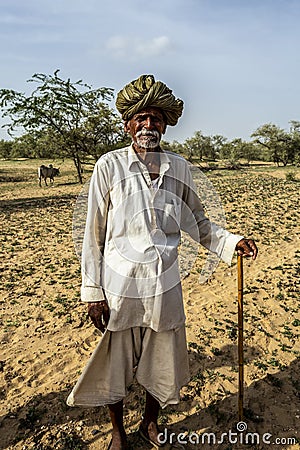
158	361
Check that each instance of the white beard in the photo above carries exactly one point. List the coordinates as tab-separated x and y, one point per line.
147	139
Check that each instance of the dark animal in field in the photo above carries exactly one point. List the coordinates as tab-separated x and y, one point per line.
47	172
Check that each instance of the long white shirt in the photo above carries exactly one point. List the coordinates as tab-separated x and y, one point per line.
132	234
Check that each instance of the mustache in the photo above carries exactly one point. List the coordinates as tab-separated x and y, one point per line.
144	132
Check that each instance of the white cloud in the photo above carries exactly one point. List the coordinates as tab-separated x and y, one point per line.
133	47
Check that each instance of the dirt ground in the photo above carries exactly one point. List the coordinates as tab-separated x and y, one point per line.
46	337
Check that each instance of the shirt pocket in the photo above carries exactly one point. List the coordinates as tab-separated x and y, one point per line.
171	218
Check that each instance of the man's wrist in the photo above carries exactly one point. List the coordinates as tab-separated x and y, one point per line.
96	303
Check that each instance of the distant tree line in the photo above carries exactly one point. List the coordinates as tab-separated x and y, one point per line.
268	143
64	119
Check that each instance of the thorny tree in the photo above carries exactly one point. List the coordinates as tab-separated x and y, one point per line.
76	117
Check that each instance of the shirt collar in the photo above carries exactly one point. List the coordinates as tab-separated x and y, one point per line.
133	158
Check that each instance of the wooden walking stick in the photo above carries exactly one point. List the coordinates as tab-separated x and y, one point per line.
240	337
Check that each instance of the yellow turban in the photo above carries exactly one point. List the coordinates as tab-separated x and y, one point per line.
146	92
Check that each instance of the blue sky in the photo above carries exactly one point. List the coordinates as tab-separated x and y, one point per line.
234	63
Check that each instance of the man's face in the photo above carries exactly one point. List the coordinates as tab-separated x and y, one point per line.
146	128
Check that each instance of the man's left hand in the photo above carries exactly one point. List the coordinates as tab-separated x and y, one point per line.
247	247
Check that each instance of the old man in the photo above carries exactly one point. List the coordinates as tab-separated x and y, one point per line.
140	197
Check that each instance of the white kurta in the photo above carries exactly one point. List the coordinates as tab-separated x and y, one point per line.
132	236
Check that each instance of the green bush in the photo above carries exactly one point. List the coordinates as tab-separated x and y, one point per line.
291	176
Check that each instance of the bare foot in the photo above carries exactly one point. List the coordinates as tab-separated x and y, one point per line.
119	441
151	432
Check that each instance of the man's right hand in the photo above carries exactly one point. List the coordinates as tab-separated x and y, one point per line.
99	314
